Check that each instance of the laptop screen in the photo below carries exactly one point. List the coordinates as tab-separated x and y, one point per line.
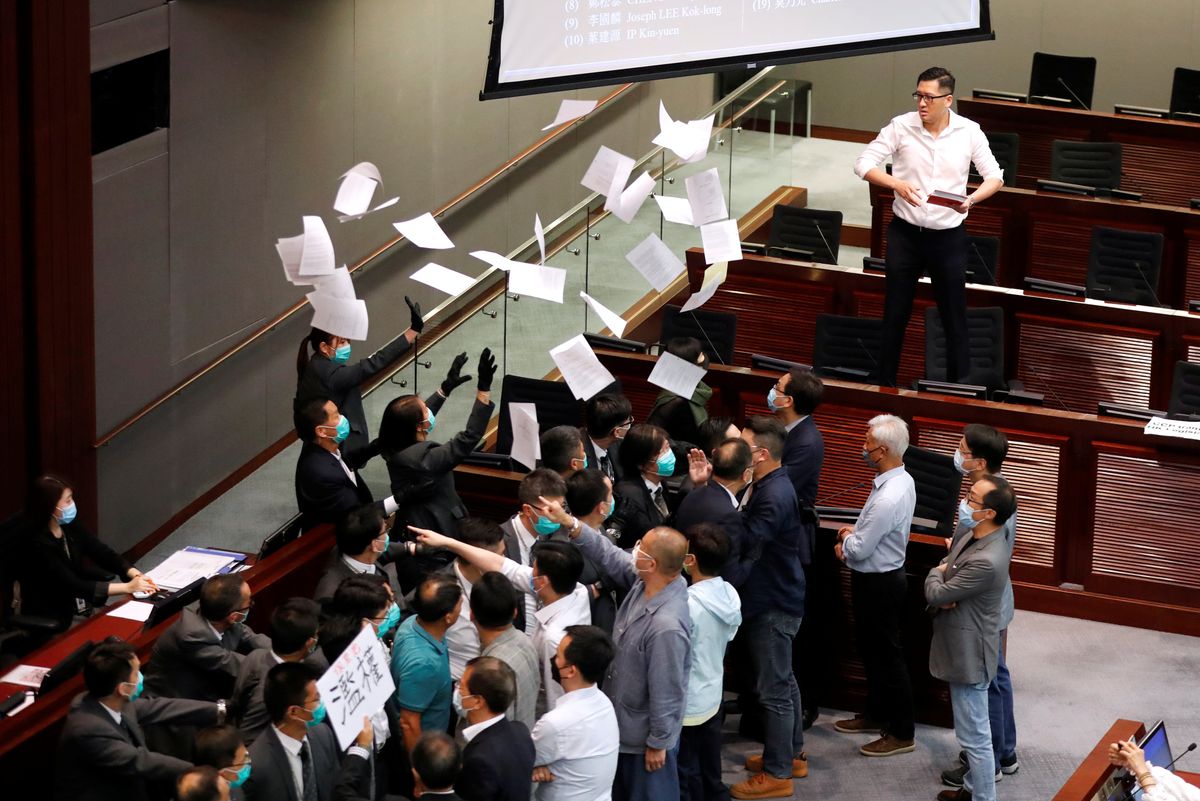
1158	750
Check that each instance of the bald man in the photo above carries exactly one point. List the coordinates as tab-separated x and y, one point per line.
202	783
647	681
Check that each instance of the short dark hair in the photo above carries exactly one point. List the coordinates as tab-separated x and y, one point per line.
493	681
308	417
221	595
591	649
436	597
987	443
437	760
480	532
493	601
109	664
605	412
216	746
686	348
560	562
198	784
559	446
286	686
1001	499
544	482
336	634
731	459
642	444
585	490
769	433
361	595
805	389
398	426
293	623
709	543
712	432
940	74
358	529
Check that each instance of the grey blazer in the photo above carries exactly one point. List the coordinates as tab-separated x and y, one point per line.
247	696
271	779
190	661
966	639
101	760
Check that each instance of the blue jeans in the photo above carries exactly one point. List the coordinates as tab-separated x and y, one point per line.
970	705
1000	711
634	783
770	635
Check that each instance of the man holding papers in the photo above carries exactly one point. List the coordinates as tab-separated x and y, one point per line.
931	149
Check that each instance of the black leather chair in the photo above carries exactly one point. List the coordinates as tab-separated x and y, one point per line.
985	329
1124	265
983	254
1185	94
1185	389
1062	80
939	486
1006	148
847	347
717	331
556	406
19	633
817	231
1095	164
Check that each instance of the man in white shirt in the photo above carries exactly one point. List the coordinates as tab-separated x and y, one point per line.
462	640
575	743
931	149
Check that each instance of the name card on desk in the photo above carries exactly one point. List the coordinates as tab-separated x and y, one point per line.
1162	427
357	684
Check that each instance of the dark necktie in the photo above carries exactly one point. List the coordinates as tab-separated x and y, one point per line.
308	774
606	466
661	503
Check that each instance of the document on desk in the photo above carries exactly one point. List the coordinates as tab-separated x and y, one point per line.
526	438
714	276
342	317
675	209
132	610
540	234
316	257
655	261
183	567
451	282
1184	429
676	375
580	368
632	198
608	169
424	232
536	281
610	318
25	675
721	241
571	110
706	197
338	283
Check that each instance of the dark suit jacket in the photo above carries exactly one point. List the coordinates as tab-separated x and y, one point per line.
271	778
101	760
429	467
341	384
51	580
498	764
775	541
188	661
711	504
803	455
614	451
336	570
324	493
636	513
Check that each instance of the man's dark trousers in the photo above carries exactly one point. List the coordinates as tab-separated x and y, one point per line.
879	600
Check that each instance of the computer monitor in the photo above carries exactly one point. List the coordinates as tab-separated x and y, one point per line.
1156	746
68	666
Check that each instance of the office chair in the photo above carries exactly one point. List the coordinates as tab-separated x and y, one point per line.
814	230
1005	147
1185	389
985	330
938	484
556	406
1185	94
1124	265
1066	81
19	633
1095	164
717	331
983	254
847	347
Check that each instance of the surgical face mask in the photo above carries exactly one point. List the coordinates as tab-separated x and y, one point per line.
341	354
612	507
379	544
665	464
66	514
555	673
456	700
866	456
960	463
545	526
390	622
638	555
242	774
772	399
341	430
138	686
432	421
318	715
533	585
966	515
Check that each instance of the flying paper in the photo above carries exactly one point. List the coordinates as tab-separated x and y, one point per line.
526	442
443	279
610	318
571	110
580	368
714	276
655	261
316	256
424	232
676	375
341	317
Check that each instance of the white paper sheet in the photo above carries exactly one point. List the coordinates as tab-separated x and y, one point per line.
722	242
610	318
338	283
527	443
655	261
540	234
580	368
356	685
607	169
494	259
317	255
675	209
290	250
133	610
633	197
536	281
25	675
183	567
443	279
676	375
571	110
714	276
424	232
705	195
387	204
700	135
687	140
1162	427
341	317
355	193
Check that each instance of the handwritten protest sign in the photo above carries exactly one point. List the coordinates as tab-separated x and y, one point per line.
358	683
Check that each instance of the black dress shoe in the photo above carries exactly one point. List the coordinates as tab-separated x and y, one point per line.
810	717
959	794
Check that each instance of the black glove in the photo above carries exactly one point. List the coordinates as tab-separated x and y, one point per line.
453	378
487	370
415	323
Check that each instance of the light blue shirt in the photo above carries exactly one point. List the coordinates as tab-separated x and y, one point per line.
881	534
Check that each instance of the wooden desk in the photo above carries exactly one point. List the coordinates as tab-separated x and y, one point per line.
1095	769
1080	480
1161	158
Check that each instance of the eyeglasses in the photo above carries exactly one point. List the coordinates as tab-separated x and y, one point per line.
917	96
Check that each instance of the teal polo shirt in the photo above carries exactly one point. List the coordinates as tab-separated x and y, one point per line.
421	669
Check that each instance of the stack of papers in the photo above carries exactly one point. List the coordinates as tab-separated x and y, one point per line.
183	567
25	675
307	255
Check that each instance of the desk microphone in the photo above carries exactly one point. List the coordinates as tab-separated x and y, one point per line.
828	247
1077	100
1149	286
983	263
715	352
1048	387
870	356
1182	754
860	485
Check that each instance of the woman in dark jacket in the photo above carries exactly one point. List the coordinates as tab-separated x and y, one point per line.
328	374
63	569
646	459
422	470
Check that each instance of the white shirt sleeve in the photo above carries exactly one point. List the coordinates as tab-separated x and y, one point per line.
518	574
877	152
390	506
545	741
981	156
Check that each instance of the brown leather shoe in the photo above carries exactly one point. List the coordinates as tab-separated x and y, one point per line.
754	764
887	745
858	725
959	794
763	785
